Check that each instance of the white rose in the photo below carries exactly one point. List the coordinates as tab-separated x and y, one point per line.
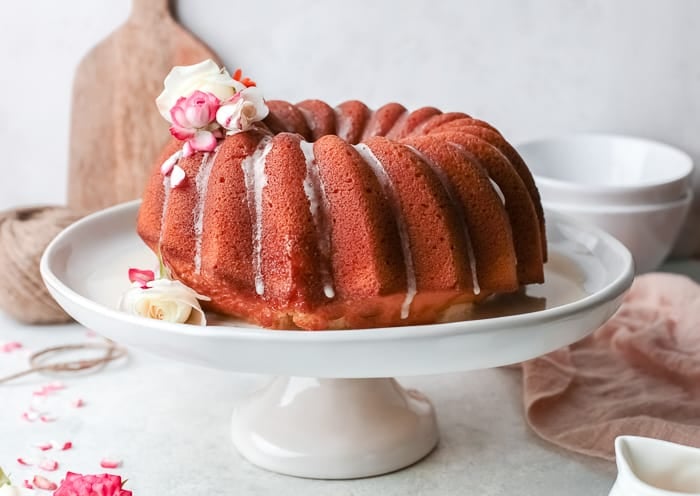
164	299
247	107
206	76
8	490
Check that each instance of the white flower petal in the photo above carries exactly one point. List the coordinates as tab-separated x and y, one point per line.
176	176
228	115
203	141
183	72
165	300
8	490
240	114
205	76
170	163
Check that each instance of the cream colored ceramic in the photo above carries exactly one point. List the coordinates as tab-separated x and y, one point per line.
651	467
604	169
351	421
648	231
334	428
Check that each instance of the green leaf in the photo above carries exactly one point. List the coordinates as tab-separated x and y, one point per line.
4	480
163	272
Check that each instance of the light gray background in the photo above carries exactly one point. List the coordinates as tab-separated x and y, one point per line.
532	68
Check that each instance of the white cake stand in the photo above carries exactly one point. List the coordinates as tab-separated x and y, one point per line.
334	411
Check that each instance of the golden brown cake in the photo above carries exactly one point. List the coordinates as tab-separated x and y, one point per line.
328	218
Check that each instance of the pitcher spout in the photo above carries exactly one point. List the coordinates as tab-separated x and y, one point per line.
652	467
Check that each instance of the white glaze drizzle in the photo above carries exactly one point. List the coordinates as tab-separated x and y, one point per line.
255	180
371	126
308	118
318	206
389	191
475	160
457	204
496	187
172	160
498	191
166	200
398	123
343	125
201	184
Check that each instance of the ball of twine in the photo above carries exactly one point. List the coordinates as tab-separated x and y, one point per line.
24	234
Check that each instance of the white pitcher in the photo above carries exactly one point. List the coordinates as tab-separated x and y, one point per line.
650	467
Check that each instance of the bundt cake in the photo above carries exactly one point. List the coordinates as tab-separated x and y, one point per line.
327	218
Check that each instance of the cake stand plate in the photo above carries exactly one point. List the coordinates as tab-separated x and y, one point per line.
334	411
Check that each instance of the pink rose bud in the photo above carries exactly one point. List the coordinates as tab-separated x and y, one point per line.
194	112
201	109
193	120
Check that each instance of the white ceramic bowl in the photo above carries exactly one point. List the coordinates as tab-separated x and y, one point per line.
606	169
649	231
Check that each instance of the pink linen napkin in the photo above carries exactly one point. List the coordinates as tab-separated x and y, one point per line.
638	374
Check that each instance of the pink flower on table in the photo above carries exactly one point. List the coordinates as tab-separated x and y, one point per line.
193	119
98	485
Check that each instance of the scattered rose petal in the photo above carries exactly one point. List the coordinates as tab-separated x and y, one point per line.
44	483
44	446
28	484
141	277
30	416
48	465
10	347
47	418
49	388
25	461
90	333
78	403
37	411
110	463
62	446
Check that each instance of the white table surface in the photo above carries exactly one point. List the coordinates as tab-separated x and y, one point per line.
169	424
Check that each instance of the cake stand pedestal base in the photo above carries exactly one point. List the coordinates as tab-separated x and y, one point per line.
334	428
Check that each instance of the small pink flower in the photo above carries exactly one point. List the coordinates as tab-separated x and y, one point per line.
193	120
142	277
98	485
194	111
